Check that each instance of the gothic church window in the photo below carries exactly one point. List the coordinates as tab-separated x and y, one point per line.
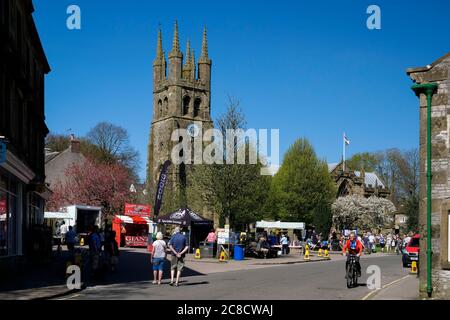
186	102
197	104
160	110
166	106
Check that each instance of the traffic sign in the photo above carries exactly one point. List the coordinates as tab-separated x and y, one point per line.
2	152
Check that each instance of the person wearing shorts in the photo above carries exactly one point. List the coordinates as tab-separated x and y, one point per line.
178	246
158	258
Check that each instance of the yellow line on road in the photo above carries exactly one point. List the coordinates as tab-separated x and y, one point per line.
384	287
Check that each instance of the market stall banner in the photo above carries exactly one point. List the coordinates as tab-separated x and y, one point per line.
161	185
137	210
184	217
136	241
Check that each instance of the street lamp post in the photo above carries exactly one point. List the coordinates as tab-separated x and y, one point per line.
428	89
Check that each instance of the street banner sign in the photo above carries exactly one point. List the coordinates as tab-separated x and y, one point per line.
160	188
2	152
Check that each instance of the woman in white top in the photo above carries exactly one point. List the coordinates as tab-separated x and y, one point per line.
158	258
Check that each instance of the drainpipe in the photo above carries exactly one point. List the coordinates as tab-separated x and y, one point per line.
428	89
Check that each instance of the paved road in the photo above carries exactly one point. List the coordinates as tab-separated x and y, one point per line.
317	280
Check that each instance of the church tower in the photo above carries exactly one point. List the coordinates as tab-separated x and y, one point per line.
181	98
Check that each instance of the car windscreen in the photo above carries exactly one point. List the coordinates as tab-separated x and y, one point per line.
414	242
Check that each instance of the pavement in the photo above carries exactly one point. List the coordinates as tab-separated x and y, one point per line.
405	288
40	281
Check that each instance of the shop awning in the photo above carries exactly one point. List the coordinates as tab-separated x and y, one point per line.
132	219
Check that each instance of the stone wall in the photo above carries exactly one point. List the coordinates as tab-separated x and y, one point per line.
437	72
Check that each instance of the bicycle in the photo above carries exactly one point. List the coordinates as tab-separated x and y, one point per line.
352	272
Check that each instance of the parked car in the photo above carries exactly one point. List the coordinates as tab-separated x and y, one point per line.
411	251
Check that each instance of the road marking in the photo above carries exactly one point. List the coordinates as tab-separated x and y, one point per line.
384	287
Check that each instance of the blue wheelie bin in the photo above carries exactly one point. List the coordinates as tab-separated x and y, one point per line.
239	252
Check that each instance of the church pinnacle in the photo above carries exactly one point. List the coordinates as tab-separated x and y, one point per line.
159	50
176	43
204	45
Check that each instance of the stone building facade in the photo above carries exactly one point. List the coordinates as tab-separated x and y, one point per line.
437	72
23	66
181	99
57	163
361	183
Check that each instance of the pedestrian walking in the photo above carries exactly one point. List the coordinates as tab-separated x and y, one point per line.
284	244
388	242
371	243
158	258
382	242
366	243
211	240
94	249
71	239
112	250
394	244
63	230
399	242
178	246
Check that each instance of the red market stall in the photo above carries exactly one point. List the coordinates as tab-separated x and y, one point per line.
133	228
132	231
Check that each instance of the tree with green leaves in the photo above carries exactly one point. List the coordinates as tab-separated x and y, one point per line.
322	219
364	160
302	184
236	192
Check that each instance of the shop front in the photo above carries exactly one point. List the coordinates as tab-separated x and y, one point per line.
21	212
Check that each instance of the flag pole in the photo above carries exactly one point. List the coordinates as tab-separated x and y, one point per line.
343	152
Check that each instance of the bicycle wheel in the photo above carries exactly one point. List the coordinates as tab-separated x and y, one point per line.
350	276
355	277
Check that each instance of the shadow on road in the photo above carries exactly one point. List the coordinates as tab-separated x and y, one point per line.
185	283
135	266
47	273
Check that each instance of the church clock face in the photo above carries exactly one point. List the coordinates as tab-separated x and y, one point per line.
193	130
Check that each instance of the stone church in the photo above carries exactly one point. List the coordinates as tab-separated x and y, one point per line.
181	98
361	183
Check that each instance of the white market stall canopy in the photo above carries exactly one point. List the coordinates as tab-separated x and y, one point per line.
134	219
57	215
280	225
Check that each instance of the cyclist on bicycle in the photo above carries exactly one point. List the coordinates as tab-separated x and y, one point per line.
354	247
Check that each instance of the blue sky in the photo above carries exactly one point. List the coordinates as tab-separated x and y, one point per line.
309	68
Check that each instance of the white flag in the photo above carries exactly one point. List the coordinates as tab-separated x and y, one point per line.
347	142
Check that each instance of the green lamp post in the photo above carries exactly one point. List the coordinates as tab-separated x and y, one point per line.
428	89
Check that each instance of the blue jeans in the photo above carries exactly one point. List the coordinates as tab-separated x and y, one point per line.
158	264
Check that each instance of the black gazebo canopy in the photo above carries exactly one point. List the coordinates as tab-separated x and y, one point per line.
184	218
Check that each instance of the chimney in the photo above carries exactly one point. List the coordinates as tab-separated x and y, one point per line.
75	145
